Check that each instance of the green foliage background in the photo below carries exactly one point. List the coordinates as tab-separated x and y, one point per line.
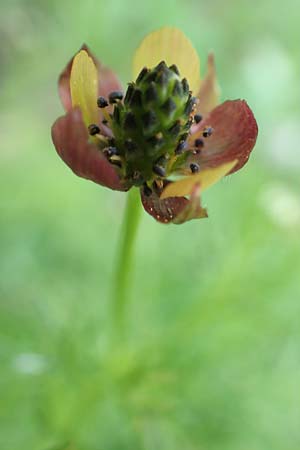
213	354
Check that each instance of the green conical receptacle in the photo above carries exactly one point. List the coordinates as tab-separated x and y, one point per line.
152	124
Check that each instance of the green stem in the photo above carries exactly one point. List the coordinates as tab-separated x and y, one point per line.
121	277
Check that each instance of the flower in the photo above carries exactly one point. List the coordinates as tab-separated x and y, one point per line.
167	135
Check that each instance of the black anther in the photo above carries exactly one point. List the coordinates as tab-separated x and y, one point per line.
199	142
198	118
102	102
190	105
93	129
114	96
112	151
158	170
180	147
194	168
207	132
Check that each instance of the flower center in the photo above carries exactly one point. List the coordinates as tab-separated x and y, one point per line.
152	123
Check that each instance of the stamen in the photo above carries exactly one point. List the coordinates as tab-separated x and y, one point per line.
106	115
189	123
180	148
185	136
115	96
93	129
116	160
102	139
102	102
198	118
194	168
158	185
158	170
199	143
112	151
207	132
190	105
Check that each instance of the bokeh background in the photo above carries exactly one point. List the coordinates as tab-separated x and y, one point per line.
212	358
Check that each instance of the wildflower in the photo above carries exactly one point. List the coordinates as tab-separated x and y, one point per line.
166	134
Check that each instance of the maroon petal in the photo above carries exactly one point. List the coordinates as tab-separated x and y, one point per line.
209	91
174	209
233	137
71	140
108	81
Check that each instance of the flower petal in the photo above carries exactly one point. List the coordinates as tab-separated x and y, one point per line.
175	209
234	136
71	141
107	80
204	179
193	209
84	86
209	92
172	46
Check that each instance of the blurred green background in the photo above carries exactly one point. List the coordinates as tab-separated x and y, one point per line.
212	359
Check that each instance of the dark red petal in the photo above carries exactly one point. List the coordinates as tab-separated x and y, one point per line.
234	136
108	81
71	140
174	209
209	92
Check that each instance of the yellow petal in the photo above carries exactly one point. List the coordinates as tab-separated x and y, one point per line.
84	86
172	46
205	179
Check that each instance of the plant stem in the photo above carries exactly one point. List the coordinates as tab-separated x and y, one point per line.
121	277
